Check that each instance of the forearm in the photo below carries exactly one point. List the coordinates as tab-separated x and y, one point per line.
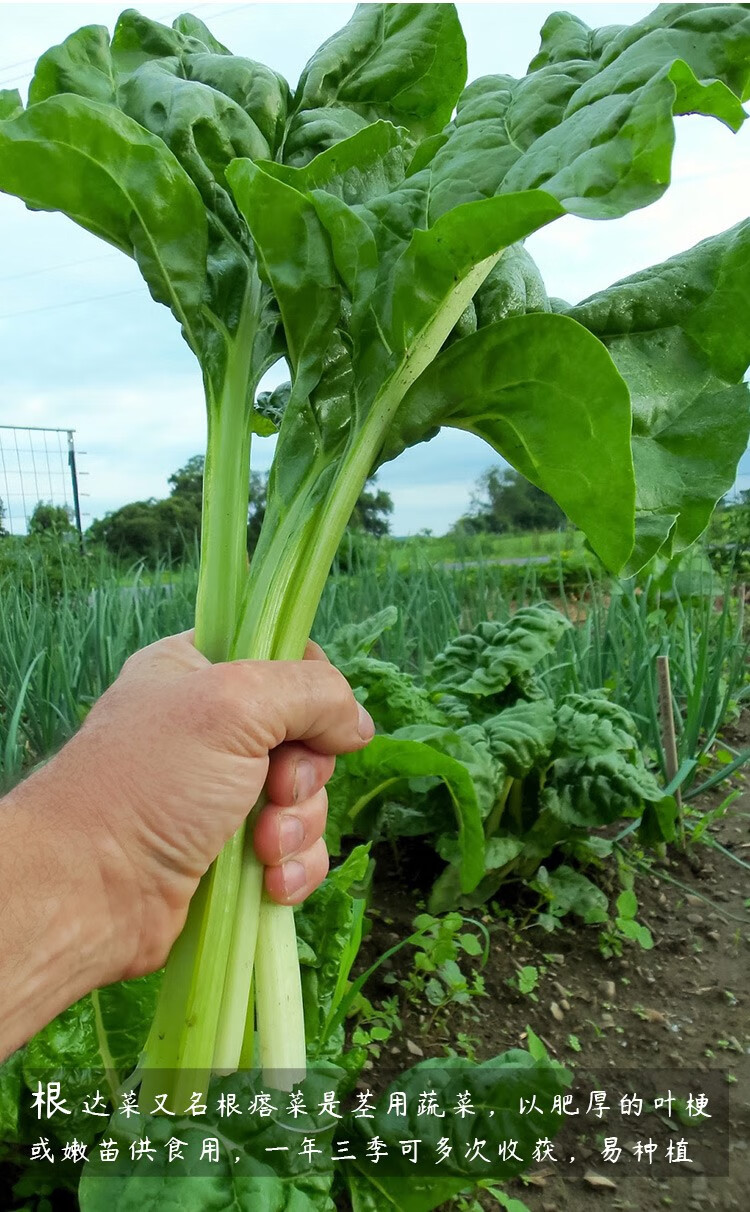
55	928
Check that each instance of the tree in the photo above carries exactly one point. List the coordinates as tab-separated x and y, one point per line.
257	507
51	520
504	500
372	511
3	531
187	481
149	530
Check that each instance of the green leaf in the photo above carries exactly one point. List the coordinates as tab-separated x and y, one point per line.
634	930
627	904
468	746
550	401
114	178
295	258
82	64
10	103
330	923
672	333
589	724
521	736
495	1087
496	656
592	123
570	891
11	1086
387	758
394	699
405	63
357	639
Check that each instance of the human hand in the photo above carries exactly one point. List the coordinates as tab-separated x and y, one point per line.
168	764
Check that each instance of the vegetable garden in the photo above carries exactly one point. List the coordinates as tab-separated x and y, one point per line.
368	229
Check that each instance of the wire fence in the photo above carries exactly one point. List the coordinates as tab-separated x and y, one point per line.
37	465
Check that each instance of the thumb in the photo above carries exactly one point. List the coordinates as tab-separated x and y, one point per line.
305	700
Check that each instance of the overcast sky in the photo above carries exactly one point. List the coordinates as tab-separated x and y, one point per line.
83	346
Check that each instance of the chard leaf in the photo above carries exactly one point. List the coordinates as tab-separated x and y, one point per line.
486	662
406	63
468	746
595	129
330	924
10	103
357	169
513	287
570	891
499	859
550	401
82	64
392	697
295	258
101	168
672	333
599	789
521	736
357	639
11	1086
498	1088
589	724
388	760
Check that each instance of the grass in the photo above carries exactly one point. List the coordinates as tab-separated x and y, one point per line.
62	643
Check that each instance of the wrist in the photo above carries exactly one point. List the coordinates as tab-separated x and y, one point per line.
59	933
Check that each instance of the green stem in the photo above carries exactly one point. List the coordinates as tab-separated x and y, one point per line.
281	600
183	1035
493	820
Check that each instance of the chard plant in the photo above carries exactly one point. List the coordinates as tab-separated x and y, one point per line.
368	228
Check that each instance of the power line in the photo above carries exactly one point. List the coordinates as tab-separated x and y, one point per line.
30	311
48	269
20	77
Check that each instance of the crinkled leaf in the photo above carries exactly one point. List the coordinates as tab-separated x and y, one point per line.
406	63
592	123
598	790
590	724
11	1085
393	698
673	335
495	1087
521	736
570	891
468	746
357	639
495	656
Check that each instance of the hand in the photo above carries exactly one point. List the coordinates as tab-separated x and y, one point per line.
170	761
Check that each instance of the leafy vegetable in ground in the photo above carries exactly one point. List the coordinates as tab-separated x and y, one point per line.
537	776
348	226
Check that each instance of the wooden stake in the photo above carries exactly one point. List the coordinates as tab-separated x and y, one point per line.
668	735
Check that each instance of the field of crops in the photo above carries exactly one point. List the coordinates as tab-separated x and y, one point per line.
583	932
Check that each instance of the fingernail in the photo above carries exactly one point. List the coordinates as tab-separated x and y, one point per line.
293	876
304	780
365	726
291	834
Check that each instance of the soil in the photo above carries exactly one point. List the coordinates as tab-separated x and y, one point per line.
682	1006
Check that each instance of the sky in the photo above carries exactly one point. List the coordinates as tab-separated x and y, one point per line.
83	346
